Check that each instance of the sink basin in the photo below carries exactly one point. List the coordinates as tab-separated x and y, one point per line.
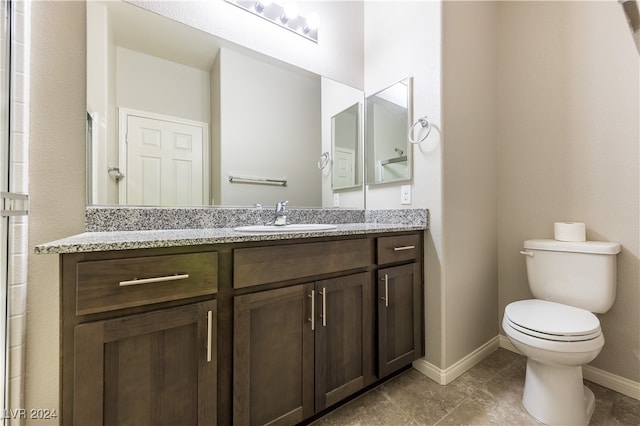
296	227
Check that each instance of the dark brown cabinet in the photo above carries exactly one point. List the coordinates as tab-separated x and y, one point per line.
139	338
156	368
300	349
247	333
399	292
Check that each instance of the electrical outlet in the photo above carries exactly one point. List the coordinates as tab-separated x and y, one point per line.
405	194
336	200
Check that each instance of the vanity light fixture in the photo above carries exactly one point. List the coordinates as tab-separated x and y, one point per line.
286	16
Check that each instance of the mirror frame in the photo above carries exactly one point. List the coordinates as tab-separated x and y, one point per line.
359	169
368	146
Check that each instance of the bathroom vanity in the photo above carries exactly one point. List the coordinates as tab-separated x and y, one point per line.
214	326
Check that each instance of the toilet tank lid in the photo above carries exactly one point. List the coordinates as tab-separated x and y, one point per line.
597	247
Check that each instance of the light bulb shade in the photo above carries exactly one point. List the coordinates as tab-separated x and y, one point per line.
290	10
261	5
313	21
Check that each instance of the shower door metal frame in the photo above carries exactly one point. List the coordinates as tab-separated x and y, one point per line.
5	152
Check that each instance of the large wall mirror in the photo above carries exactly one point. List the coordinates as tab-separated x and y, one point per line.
179	117
388	117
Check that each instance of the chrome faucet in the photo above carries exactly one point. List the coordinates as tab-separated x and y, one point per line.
281	213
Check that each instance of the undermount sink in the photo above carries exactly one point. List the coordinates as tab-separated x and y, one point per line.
297	227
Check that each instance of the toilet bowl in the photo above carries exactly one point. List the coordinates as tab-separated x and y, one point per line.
557	331
557	340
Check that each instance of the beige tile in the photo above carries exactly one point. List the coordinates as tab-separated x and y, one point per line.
488	394
625	411
422	399
483	408
604	403
371	408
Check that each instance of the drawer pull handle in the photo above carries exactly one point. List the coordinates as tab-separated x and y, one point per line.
386	290
209	331
404	248
313	310
136	281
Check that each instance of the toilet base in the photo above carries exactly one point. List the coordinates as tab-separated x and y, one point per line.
556	395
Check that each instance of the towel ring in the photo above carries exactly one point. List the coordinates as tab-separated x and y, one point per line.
425	123
325	159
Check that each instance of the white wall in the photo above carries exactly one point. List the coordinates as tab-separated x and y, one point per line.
404	39
469	95
56	180
216	113
99	68
337	55
270	112
156	85
569	136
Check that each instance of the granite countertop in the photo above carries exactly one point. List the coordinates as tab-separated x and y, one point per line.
127	228
127	240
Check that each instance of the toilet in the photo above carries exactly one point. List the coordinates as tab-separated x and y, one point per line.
557	331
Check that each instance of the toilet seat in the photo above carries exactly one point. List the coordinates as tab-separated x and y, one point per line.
552	321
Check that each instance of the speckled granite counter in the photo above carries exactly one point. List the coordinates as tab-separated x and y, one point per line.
192	229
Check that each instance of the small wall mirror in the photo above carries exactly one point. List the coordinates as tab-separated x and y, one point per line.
388	117
346	144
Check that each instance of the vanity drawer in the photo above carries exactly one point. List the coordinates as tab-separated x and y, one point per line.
399	248
107	285
264	265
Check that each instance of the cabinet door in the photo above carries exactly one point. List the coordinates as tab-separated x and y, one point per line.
399	317
343	337
157	368
273	356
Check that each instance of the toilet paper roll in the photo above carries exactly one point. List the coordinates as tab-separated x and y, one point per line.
569	231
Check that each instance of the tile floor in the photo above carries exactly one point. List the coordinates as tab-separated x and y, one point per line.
487	394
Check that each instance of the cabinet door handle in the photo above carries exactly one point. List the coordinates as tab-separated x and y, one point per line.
136	281
313	310
209	333
386	290
324	306
404	248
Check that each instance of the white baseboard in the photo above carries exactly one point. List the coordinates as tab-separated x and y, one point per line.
603	378
448	375
612	381
505	343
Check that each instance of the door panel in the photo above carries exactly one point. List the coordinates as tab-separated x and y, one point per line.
147	369
343	332
273	357
399	317
164	162
344	168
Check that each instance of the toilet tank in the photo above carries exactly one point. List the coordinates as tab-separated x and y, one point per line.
580	274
